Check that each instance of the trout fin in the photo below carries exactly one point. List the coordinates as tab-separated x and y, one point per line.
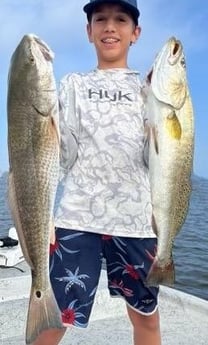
16	217
173	126
43	314
161	275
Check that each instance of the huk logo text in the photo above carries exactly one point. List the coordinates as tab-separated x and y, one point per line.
104	94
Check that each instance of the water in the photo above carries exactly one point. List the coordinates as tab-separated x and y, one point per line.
191	245
5	216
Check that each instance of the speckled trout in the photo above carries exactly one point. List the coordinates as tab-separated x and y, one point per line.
171	143
33	144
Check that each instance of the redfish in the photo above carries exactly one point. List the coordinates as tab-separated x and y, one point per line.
33	145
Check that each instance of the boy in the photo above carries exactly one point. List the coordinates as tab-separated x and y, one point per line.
105	210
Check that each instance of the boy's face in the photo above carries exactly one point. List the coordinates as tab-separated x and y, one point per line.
112	30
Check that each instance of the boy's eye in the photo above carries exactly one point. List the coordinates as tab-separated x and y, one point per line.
122	19
99	19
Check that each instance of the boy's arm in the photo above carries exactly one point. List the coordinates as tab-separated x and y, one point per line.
68	124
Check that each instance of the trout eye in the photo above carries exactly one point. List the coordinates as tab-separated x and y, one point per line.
183	62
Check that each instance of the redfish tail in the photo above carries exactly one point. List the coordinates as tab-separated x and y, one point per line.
43	313
161	275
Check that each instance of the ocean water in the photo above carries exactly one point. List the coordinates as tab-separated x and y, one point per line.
191	245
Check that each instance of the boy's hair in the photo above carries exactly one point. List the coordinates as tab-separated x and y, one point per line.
129	7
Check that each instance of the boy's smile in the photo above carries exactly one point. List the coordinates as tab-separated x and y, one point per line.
112	31
109	40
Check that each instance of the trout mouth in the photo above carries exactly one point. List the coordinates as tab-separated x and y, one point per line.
175	51
176	48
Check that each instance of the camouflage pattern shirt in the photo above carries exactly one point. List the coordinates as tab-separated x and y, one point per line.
106	186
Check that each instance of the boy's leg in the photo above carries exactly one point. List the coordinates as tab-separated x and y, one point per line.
75	265
146	329
128	263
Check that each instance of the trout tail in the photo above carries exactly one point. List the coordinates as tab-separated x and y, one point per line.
161	274
43	313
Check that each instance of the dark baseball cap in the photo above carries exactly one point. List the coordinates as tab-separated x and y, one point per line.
130	5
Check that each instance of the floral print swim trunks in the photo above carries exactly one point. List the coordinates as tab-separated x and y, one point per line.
76	260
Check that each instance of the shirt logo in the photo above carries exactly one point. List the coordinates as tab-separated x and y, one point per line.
104	94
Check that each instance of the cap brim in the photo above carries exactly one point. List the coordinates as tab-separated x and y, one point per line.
88	8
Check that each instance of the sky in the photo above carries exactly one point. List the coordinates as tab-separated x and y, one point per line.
62	24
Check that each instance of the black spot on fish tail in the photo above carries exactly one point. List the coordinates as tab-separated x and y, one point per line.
38	294
43	313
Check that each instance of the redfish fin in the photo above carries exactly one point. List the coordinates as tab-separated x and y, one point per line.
43	313
16	218
158	275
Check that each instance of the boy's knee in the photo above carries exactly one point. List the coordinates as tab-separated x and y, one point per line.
151	322
148	322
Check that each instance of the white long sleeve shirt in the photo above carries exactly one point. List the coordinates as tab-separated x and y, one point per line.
106	183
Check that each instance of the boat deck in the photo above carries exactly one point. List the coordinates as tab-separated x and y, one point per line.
184	318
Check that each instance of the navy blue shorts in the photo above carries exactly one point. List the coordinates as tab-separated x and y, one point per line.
75	264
